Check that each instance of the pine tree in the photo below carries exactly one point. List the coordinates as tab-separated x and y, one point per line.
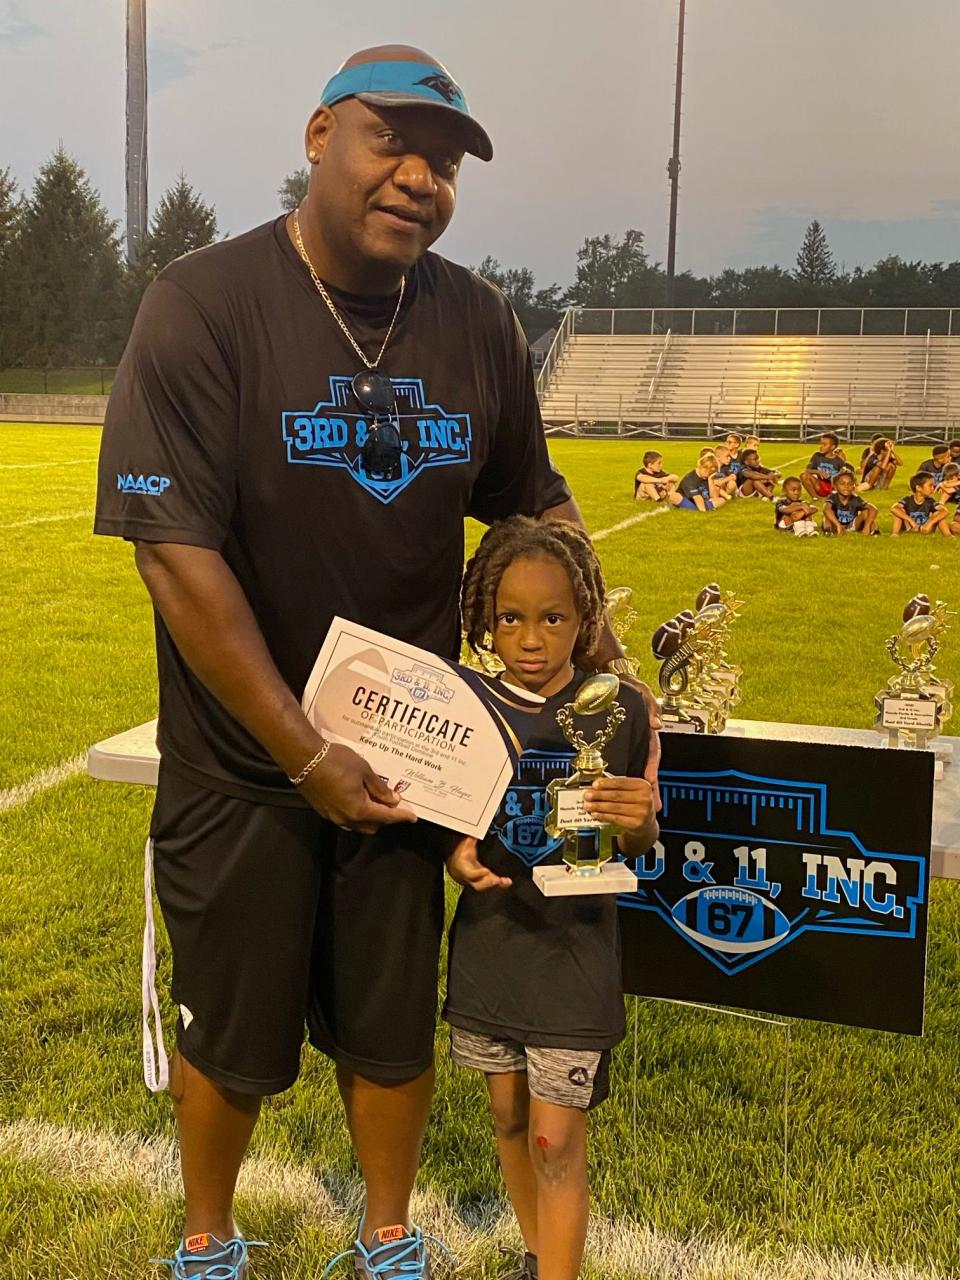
9	227
293	189
181	223
68	271
815	261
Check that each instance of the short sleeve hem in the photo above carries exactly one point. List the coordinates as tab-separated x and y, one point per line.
145	531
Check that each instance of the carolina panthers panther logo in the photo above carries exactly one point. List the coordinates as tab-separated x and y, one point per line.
446	88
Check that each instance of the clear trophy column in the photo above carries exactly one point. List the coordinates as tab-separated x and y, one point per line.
588	864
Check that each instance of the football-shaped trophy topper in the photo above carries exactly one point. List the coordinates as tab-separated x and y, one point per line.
597	693
710	594
617	598
917	607
685	620
667	639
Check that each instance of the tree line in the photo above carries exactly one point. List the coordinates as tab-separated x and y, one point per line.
68	297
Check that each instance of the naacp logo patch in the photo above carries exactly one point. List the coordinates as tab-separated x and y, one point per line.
334	432
739	898
129	482
519	822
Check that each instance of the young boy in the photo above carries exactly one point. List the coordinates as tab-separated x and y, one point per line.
724	482
919	511
534	989
878	464
934	466
819	475
652	483
694	488
734	443
755	478
845	511
791	514
948	490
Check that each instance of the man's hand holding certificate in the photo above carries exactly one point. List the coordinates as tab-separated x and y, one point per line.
442	736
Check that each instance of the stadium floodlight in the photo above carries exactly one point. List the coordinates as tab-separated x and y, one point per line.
673	165
136	161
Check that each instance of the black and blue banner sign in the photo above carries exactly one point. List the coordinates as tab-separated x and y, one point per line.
789	877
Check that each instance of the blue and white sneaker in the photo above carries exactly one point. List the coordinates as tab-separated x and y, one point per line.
394	1253
204	1257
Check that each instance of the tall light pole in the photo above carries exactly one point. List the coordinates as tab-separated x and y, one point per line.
136	165
673	165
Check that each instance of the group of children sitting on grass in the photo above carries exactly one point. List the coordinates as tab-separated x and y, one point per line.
734	470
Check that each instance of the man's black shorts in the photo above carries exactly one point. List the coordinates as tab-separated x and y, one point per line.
277	918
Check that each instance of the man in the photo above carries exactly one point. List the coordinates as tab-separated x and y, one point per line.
302	419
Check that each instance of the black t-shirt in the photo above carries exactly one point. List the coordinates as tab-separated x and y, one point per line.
232	426
543	971
933	468
826	467
780	511
646	474
919	512
846	509
693	484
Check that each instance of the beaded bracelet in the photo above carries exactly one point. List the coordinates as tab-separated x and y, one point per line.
309	767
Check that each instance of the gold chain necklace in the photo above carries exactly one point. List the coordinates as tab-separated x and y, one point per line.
333	310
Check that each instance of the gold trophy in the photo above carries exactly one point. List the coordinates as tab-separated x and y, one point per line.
699	684
916	703
588	866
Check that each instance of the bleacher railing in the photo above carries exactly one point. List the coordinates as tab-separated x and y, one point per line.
761	322
552	358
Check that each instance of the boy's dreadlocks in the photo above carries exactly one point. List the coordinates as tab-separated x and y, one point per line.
520	537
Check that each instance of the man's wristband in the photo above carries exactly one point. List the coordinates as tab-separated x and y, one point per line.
309	767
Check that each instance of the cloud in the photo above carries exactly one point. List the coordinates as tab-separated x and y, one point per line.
16	29
170	60
774	235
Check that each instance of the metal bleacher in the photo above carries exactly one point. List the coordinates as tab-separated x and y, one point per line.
699	375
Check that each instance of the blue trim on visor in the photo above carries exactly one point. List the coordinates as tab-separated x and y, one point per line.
416	79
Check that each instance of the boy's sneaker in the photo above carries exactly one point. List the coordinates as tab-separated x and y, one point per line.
528	1268
393	1254
204	1257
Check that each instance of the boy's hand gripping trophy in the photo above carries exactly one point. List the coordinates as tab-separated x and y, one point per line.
588	842
916	704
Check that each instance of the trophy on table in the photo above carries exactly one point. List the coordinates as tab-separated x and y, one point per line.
916	703
588	866
699	684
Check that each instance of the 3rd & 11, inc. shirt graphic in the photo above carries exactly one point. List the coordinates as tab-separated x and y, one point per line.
334	431
803	896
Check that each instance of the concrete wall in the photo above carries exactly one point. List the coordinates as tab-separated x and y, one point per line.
22	408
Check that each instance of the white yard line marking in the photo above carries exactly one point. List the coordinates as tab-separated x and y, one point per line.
24	792
95	1158
22	524
626	524
35	466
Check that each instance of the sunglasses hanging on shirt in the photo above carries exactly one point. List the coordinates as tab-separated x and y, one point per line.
382	450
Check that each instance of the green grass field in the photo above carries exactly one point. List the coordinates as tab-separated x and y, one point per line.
687	1156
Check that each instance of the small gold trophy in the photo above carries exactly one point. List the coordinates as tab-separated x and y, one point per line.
916	704
588	844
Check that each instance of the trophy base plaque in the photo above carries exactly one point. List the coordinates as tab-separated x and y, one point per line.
562	882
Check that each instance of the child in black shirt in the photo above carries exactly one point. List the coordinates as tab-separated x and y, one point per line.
919	511
823	467
534	992
652	482
756	479
934	466
791	514
845	511
694	489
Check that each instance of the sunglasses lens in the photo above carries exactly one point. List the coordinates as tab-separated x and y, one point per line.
374	391
382	452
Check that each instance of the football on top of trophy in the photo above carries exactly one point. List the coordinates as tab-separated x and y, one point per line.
918	606
596	694
617	598
667	639
685	620
709	595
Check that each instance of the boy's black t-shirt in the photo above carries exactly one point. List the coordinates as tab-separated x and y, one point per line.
825	466
780	510
933	468
693	484
232	426
543	971
919	512
847	509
